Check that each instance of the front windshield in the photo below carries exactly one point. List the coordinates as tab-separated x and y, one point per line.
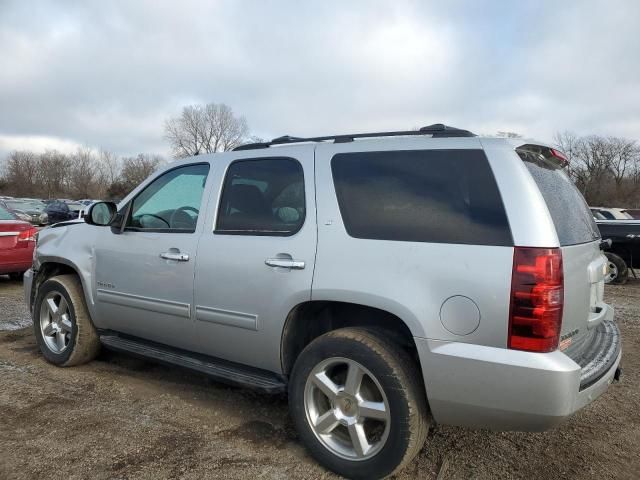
36	206
75	207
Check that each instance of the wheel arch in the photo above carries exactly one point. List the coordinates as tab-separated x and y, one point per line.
54	266
308	320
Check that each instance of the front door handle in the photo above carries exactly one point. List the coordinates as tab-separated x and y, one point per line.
177	256
284	263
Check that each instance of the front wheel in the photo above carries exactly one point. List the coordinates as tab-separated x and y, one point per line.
358	403
62	326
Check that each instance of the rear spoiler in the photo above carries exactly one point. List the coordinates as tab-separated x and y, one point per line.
550	154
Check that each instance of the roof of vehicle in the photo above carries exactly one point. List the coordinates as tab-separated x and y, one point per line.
437	130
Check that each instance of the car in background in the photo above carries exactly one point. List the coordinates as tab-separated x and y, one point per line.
604	213
62	210
17	241
624	249
29	210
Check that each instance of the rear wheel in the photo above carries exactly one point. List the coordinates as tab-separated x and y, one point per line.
617	272
61	322
358	403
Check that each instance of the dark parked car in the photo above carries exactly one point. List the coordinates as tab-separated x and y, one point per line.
624	252
60	211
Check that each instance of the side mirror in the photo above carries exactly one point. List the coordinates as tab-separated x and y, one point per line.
101	214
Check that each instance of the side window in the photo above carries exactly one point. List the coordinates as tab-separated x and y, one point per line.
171	202
262	197
439	196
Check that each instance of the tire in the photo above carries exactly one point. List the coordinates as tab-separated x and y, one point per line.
16	276
618	271
66	336
392	442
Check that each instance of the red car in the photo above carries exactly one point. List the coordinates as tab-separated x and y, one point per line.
17	241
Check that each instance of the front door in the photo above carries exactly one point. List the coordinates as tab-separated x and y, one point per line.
257	263
144	276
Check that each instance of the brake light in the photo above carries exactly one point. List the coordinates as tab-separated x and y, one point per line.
28	235
560	156
537	299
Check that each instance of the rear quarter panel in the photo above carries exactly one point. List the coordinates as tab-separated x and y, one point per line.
408	279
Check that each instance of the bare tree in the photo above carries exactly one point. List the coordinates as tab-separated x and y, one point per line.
567	143
603	168
134	171
81	179
108	171
205	129
624	153
83	174
20	174
53	167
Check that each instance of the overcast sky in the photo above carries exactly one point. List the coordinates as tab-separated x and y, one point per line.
106	74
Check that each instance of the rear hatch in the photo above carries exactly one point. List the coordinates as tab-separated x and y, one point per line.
583	263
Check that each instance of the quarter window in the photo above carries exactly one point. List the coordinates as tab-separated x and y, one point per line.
262	197
440	196
171	202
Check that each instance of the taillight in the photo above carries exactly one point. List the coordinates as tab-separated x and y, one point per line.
537	298
28	235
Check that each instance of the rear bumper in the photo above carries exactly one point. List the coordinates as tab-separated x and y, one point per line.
500	389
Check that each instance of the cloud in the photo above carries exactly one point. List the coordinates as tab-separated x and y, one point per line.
107	74
36	143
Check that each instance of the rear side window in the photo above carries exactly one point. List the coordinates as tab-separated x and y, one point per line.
571	216
262	197
440	196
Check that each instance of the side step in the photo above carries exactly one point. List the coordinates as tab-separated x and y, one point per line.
220	370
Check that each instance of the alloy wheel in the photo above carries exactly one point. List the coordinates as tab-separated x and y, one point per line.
347	409
55	322
612	272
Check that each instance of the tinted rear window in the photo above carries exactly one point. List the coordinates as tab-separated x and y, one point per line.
440	196
570	214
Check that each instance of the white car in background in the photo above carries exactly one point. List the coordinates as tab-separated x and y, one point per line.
604	213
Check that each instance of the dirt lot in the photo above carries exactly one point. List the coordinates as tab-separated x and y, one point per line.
120	417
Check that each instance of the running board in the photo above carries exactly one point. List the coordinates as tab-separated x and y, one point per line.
220	370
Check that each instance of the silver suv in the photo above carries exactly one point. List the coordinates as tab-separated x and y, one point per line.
384	280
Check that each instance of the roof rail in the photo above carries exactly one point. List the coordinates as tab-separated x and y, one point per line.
437	130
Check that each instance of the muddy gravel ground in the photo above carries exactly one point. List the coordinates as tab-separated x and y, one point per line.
120	417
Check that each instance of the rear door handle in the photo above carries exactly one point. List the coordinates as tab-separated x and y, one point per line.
177	256
284	263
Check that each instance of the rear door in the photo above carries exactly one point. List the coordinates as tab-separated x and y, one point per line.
579	238
256	256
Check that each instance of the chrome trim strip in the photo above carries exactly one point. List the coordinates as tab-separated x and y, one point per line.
144	303
226	317
9	234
